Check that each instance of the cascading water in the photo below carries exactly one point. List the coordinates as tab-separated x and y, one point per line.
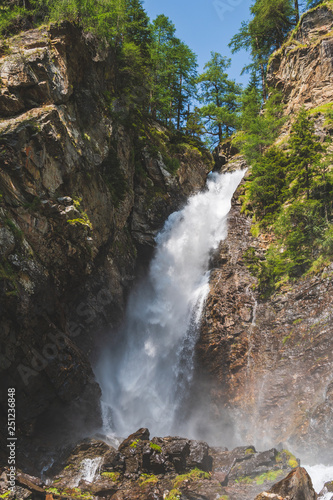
144	377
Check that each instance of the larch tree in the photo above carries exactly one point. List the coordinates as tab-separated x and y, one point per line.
219	96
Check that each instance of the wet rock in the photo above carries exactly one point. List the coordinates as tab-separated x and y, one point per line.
140	435
296	486
328	488
199	456
177	450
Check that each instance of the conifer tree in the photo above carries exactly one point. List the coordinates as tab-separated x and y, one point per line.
219	96
264	33
305	154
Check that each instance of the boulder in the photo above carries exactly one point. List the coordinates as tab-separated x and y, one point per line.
328	488
296	486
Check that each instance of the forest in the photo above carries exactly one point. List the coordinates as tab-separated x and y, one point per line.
289	190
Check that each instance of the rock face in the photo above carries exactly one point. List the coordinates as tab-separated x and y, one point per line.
267	364
167	468
80	204
302	68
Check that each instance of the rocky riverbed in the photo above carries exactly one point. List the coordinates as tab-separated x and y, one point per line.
168	468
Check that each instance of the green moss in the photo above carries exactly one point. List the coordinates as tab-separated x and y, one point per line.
269	476
155	447
75	493
224	497
135	443
5	495
54	491
172	164
174	494
114	476
145	479
18	233
285	455
285	339
9	275
249	451
262	478
193	475
244	480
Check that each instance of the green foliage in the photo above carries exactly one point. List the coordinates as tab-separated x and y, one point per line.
194	475
173	74
15	229
262	478
290	194
12	15
84	219
264	32
286	455
155	447
174	494
259	129
305	154
267	184
5	495
54	491
145	479
114	476
219	97
269	476
75	493
172	164
135	443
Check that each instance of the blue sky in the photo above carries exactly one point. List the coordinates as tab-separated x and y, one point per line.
205	26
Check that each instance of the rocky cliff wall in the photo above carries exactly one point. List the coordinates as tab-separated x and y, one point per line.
267	364
302	68
80	205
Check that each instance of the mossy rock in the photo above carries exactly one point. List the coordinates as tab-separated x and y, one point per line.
193	475
287	457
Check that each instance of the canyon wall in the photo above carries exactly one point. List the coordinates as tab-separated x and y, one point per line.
80	205
268	364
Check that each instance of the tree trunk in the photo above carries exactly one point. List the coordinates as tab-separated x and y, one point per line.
179	101
262	73
263	82
296	11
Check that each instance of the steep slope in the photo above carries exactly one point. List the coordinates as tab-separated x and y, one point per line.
268	364
80	203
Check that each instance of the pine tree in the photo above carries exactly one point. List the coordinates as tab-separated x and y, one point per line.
264	33
305	154
173	74
267	183
219	96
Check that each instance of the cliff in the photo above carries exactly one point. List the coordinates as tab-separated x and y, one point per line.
81	199
267	364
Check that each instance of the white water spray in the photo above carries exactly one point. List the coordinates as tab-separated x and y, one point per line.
144	378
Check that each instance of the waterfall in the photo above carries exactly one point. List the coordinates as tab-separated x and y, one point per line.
146	373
